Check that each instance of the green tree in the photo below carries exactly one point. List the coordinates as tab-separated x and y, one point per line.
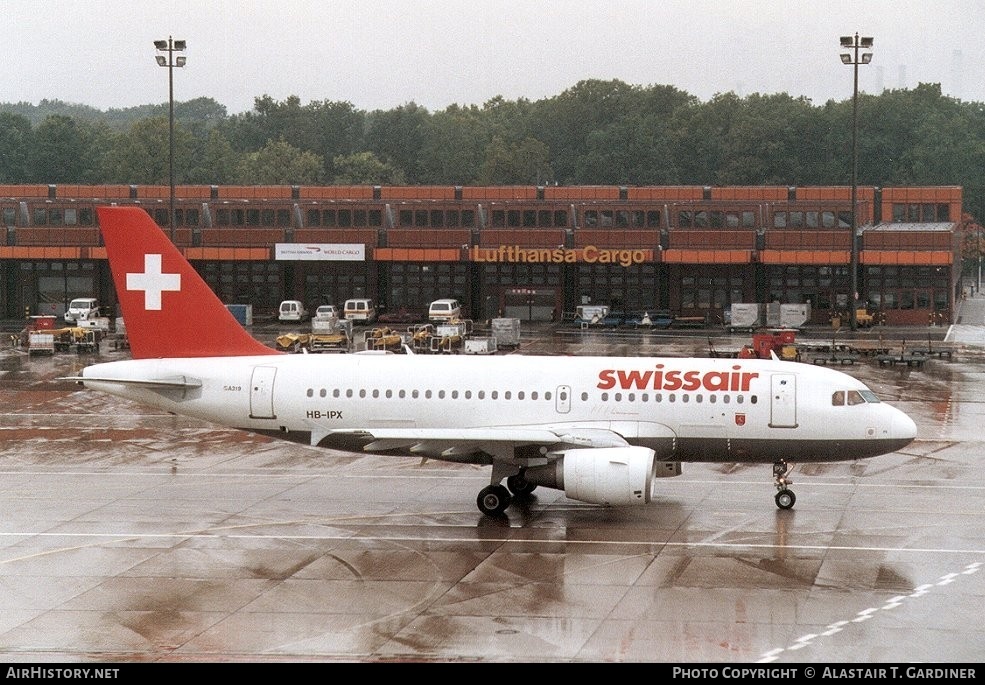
632	151
566	122
59	153
328	129
398	135
524	163
453	148
15	148
142	154
280	163
763	132
365	168
217	163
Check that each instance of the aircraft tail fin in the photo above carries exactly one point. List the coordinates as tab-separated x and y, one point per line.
168	309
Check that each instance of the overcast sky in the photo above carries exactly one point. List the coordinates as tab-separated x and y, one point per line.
379	54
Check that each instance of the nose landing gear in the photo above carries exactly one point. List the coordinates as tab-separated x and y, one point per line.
785	497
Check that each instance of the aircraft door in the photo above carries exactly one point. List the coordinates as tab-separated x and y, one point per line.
262	393
783	400
563	399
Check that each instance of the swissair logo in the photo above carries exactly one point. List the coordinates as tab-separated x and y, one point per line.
153	282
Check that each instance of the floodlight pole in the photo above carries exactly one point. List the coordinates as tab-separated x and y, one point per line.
170	46
853	58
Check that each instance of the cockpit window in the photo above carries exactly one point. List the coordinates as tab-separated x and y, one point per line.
840	398
855	397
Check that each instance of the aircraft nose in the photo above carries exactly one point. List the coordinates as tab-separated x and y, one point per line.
903	427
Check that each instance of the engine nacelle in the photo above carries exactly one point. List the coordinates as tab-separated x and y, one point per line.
615	476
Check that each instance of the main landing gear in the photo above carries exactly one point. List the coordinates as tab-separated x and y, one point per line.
784	495
493	499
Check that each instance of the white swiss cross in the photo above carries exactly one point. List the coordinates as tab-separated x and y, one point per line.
153	282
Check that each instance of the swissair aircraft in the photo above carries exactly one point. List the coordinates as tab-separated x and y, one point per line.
598	428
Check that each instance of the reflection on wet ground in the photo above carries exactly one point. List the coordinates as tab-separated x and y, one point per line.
131	535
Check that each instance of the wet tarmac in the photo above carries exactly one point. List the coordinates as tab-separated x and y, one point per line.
128	535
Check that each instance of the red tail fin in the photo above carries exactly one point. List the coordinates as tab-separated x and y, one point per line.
169	311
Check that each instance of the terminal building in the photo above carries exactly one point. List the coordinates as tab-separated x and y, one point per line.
529	252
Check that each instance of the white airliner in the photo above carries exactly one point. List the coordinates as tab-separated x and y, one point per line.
598	428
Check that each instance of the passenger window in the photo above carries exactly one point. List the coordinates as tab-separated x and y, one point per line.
838	398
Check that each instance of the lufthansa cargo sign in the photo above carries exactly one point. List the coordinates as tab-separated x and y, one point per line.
560	255
313	252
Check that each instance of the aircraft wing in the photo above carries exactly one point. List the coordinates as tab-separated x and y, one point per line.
449	442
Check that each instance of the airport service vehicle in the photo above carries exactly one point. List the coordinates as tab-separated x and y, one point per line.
600	429
326	311
82	308
359	309
444	310
292	310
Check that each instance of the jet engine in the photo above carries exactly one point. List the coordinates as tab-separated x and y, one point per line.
615	476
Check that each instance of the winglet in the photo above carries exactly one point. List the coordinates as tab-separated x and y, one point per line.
168	309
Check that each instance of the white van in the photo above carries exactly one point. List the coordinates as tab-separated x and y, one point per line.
82	308
359	309
292	310
445	310
326	311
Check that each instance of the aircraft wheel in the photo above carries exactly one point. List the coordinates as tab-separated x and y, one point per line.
785	499
493	500
520	486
